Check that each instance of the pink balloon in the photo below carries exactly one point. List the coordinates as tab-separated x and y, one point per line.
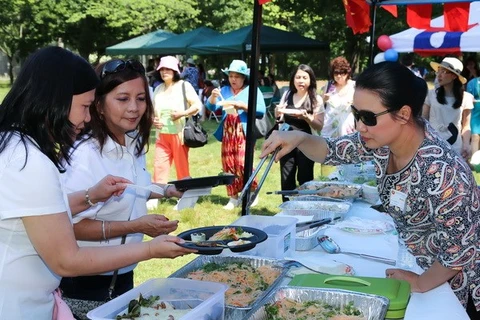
384	42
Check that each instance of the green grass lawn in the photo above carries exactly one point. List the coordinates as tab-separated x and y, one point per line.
206	161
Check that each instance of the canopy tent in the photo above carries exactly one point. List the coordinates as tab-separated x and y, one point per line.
376	3
271	40
434	42
179	44
144	44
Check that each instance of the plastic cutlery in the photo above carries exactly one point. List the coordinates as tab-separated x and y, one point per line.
153	188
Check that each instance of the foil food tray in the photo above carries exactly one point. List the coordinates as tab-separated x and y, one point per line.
319	185
235	312
373	307
308	239
319	209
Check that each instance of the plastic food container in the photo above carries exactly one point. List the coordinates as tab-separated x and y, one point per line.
280	231
373	307
205	299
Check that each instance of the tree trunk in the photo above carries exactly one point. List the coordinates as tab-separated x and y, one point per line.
10	69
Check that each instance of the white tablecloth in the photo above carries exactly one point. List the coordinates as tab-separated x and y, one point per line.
439	303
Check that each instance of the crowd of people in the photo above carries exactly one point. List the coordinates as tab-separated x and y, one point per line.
83	136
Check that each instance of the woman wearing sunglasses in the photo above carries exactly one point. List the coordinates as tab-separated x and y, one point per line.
448	108
115	142
338	97
427	187
40	117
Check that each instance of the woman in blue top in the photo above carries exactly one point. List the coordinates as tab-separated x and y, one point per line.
233	100
473	87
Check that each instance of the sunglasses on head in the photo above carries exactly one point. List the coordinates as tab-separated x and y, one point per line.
368	117
118	65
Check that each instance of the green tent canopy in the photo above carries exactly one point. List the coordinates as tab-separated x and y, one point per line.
271	40
144	44
179	43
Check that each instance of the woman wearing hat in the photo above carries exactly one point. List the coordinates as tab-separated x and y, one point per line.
448	107
170	113
233	100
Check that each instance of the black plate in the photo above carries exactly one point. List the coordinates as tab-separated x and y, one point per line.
258	236
204	182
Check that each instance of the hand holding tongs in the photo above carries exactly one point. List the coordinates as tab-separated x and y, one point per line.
283	127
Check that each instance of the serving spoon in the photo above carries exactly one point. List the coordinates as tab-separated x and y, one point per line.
331	246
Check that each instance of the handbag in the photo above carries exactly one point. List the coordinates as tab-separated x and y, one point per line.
262	128
194	136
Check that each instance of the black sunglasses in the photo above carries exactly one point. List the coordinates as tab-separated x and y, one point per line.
118	65
368	117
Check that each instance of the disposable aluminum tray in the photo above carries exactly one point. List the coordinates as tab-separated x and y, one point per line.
373	307
319	209
234	312
308	239
318	185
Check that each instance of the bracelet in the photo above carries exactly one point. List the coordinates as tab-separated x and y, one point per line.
87	199
103	230
165	195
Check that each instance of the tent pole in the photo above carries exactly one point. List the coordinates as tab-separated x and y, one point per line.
373	18
252	100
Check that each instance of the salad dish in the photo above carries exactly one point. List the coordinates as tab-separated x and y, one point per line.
217	238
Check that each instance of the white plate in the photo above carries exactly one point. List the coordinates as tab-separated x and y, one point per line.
291	111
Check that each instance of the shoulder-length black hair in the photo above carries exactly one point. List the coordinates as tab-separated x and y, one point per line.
98	129
38	105
396	86
310	103
457	93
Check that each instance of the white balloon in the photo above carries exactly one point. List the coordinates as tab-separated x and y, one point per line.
380	57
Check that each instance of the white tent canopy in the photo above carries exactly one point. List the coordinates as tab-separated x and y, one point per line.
440	42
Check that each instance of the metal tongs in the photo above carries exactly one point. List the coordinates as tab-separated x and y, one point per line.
302	226
283	127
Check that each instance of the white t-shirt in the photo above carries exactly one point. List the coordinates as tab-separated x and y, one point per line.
26	282
339	119
441	115
88	166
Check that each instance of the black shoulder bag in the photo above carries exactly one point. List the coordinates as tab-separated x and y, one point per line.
194	136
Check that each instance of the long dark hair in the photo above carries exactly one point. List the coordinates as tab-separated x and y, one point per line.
311	102
98	129
396	86
457	93
38	105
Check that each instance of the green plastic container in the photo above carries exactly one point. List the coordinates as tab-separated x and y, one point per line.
397	291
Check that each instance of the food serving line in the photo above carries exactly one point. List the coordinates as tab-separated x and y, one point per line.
324	249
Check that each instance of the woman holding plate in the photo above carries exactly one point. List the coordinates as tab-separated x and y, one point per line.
115	142
233	100
425	185
303	110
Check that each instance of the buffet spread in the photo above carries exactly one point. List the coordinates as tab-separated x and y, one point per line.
288	266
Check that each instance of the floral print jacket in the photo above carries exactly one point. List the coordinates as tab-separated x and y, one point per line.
439	217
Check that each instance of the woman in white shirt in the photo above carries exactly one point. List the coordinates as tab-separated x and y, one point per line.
47	106
448	108
115	142
338	97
